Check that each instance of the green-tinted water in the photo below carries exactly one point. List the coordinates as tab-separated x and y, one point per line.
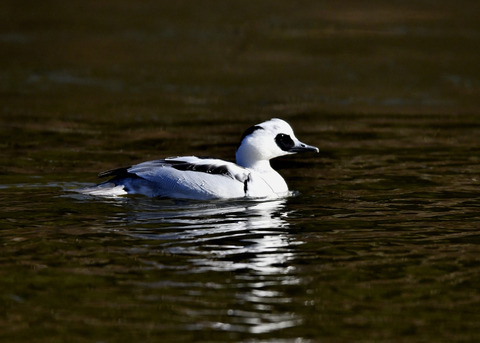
381	244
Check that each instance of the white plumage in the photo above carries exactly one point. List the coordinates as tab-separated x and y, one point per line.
192	177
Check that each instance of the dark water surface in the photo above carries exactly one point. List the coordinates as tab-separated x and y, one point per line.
382	242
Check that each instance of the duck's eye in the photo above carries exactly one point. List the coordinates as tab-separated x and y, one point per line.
284	141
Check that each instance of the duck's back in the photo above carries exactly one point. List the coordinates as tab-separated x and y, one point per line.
181	177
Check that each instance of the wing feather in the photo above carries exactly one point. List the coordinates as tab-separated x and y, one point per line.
188	163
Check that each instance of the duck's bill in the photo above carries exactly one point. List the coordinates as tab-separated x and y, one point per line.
302	147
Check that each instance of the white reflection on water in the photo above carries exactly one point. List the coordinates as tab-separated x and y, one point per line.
222	237
248	247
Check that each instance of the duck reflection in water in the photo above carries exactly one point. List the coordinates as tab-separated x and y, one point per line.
246	241
245	234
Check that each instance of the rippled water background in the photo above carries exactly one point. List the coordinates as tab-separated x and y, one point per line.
382	242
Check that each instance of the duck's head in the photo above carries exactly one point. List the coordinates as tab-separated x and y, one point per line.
267	140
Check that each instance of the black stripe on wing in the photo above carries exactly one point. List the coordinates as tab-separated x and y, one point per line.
203	168
211	168
215	169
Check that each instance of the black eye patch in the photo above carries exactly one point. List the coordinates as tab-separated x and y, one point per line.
285	142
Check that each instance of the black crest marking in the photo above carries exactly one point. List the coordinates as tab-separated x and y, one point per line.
249	131
285	142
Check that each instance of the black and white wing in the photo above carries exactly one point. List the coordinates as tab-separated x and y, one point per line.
183	177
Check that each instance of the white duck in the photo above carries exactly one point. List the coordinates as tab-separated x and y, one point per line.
192	177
